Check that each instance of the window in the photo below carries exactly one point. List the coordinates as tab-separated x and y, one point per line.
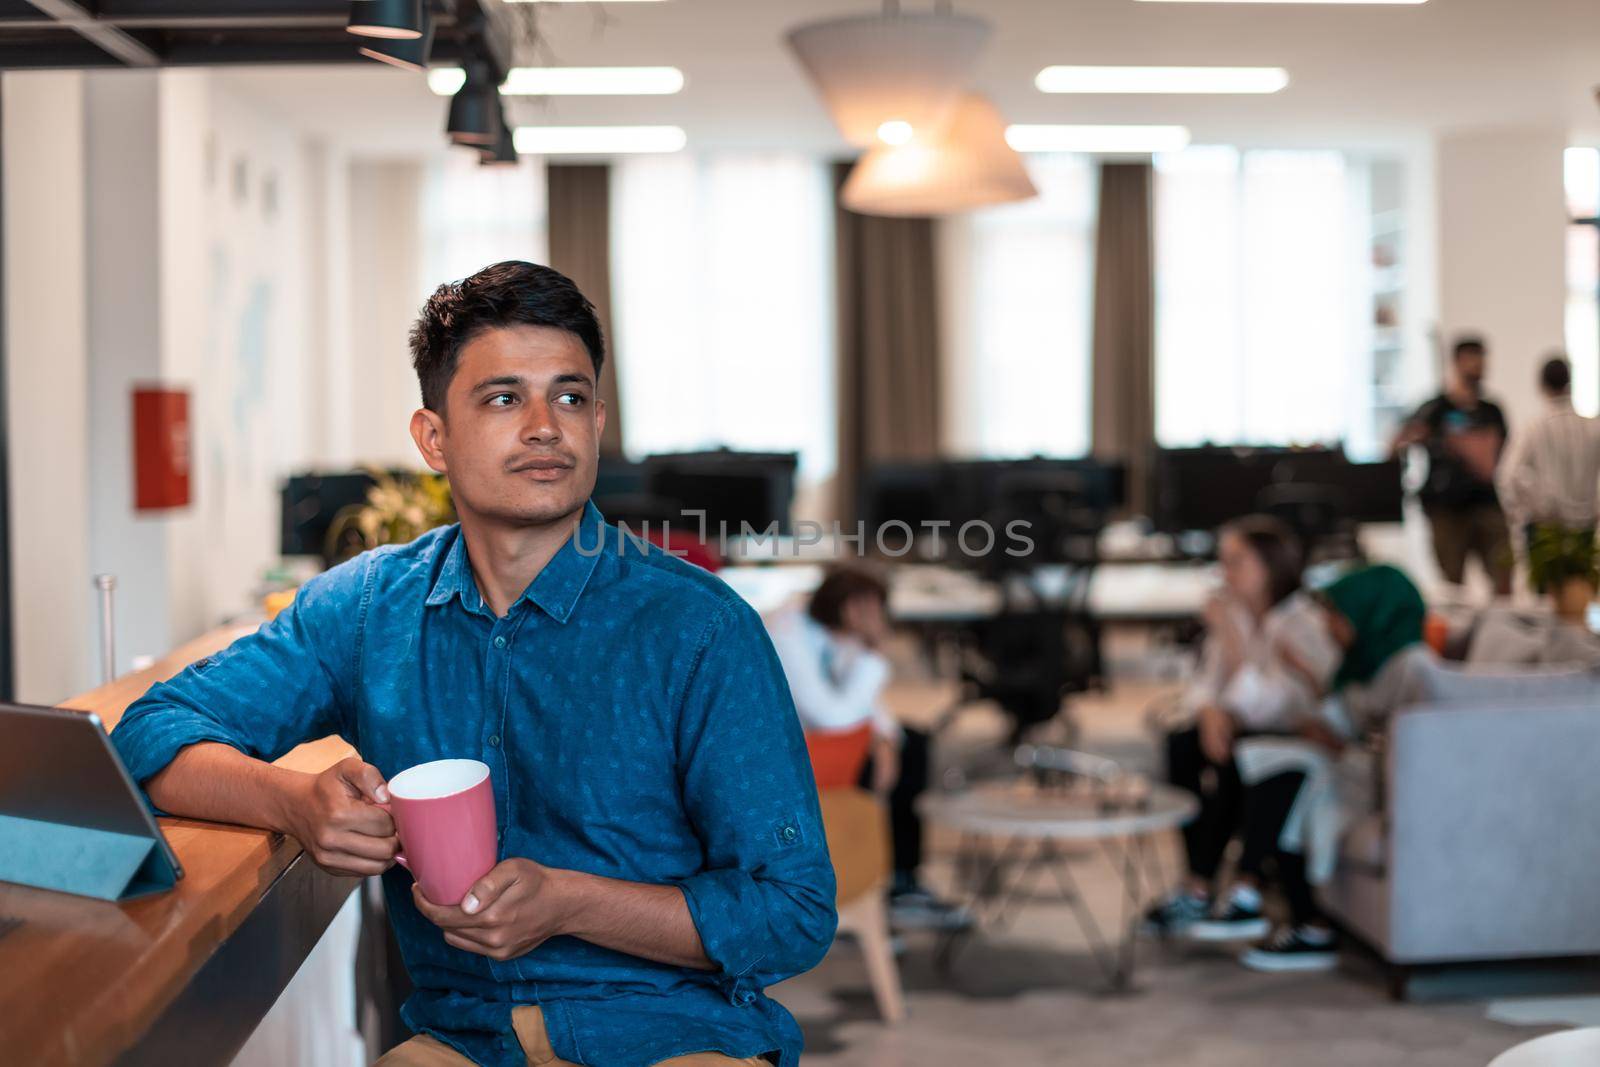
1261	293
1583	277
474	215
1017	283
722	270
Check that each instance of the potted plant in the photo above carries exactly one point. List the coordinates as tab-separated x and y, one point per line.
399	508
1563	563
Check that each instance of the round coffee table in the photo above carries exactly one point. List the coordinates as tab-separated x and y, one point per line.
1015	826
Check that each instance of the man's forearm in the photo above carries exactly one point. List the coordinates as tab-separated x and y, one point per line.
648	921
214	781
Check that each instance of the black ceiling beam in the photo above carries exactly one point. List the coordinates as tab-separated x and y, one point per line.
109	39
185	9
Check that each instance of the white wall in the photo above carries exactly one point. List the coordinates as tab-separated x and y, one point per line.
47	409
1501	233
121	179
385	288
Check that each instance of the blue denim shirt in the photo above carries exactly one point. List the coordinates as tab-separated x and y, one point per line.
637	725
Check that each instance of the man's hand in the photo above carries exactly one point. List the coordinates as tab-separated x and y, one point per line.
513	909
1216	734
337	818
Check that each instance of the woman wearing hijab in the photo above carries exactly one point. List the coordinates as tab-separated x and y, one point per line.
1297	790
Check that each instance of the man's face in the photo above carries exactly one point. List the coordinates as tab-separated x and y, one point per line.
520	434
1471	363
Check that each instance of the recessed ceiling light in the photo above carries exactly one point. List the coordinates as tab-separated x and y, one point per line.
895	132
598	140
1105	139
1161	79
1285	1
571	81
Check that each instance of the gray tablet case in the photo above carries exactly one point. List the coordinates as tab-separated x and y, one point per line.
71	818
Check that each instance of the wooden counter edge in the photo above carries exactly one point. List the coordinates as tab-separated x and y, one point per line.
101	1020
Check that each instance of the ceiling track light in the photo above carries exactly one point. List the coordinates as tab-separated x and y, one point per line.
393	20
407	54
474	117
503	153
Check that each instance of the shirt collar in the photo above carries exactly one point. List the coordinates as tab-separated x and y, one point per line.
557	587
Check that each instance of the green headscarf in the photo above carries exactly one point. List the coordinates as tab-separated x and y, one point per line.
1385	610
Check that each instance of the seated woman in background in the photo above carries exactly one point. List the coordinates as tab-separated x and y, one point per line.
832	654
1298	790
1267	658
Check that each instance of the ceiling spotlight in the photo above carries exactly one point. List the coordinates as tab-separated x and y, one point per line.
503	153
571	81
1161	79
895	132
475	109
405	53
394	20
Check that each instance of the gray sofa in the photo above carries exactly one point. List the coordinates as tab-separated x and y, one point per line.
1489	844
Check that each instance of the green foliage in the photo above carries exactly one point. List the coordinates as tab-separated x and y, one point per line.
1556	554
398	509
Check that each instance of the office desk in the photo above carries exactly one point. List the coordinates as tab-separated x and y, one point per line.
178	977
933	593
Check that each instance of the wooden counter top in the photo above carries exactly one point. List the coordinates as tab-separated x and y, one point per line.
83	981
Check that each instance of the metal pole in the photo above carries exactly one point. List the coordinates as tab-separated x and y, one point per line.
107	584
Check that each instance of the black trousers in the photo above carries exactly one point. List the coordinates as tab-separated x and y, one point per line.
1266	808
905	825
1221	801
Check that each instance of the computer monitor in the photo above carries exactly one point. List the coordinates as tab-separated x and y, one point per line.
310	503
733	489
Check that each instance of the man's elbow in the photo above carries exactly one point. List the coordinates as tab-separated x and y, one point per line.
812	922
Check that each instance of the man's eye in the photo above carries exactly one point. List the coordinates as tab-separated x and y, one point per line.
502	400
571	399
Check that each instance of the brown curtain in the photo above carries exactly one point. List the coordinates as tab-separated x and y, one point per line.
888	362
580	247
1124	327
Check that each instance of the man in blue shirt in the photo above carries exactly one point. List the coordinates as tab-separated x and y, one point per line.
661	851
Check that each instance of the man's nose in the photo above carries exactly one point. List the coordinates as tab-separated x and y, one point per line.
540	425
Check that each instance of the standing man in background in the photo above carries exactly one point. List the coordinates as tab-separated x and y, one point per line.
1465	435
1552	477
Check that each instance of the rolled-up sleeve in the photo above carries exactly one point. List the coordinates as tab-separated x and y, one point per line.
287	683
764	904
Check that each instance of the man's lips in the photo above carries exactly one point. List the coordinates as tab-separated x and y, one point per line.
541	465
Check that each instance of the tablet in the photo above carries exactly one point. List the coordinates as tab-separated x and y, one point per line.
70	813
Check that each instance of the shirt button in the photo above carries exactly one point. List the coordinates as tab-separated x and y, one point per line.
789	834
499	642
494	740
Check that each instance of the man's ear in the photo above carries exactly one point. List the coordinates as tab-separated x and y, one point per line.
427	430
599	418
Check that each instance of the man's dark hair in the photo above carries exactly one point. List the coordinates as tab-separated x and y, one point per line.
839	586
1279	549
1469	344
512	293
1556	375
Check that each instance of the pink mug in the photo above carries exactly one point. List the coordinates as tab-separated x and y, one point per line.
444	814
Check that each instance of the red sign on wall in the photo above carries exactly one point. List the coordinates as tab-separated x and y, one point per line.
160	448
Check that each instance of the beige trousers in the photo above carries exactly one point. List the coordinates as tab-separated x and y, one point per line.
528	1022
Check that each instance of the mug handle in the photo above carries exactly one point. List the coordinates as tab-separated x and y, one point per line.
399	857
